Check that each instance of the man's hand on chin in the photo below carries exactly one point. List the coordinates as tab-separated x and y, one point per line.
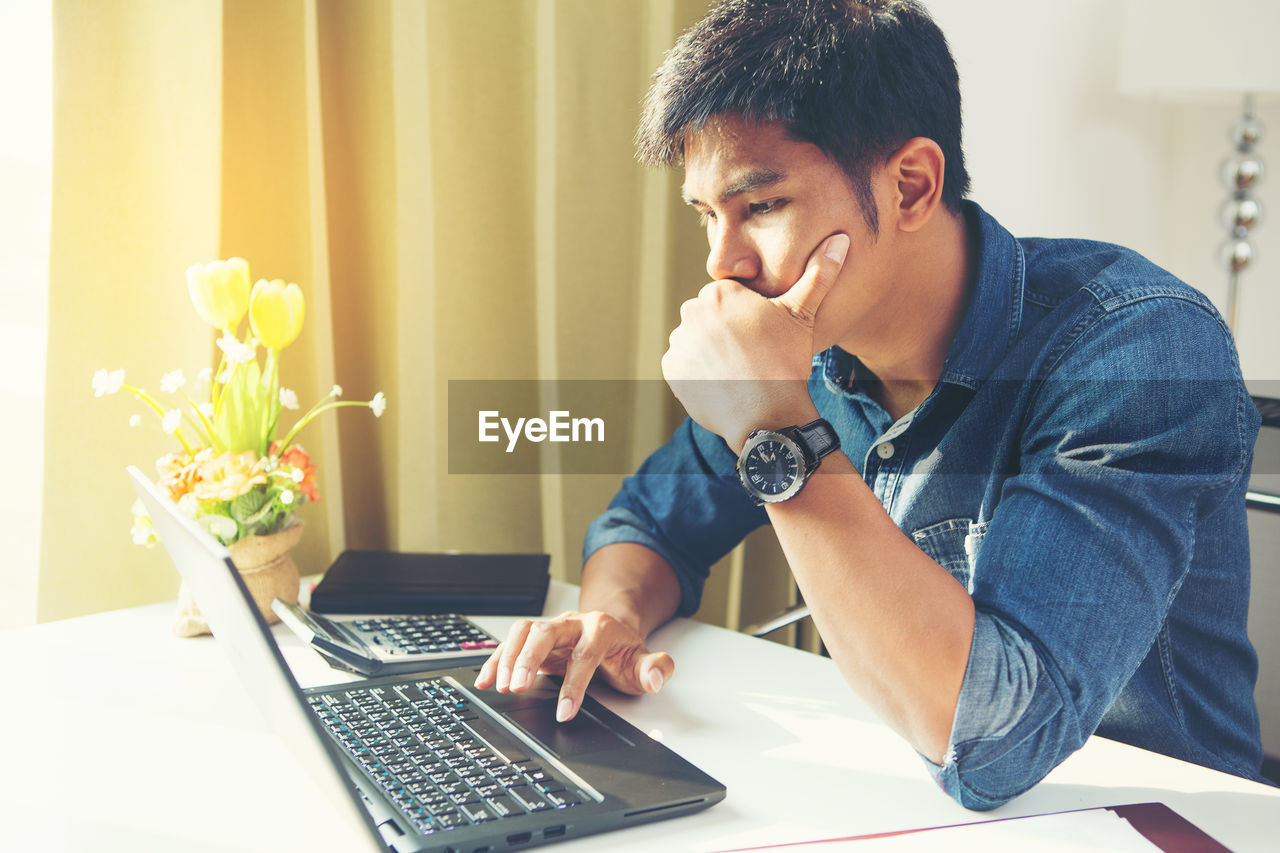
739	360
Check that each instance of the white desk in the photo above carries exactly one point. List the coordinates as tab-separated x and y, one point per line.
120	737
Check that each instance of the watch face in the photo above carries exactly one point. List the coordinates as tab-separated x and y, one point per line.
772	467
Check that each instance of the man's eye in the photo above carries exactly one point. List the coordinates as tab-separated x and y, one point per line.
705	216
760	207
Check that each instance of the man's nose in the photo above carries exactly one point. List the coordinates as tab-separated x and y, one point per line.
731	256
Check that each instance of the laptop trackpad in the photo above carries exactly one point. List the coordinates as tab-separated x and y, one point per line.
583	734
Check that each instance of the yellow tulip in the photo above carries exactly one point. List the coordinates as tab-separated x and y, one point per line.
220	291
275	312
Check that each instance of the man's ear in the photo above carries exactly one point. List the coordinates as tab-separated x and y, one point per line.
918	168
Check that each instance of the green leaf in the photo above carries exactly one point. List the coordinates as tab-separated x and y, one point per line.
262	513
240	420
250	504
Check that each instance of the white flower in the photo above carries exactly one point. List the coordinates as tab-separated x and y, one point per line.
172	381
135	420
378	404
235	351
288	398
336	392
205	376
286	498
298	475
107	383
206	409
225	376
171	421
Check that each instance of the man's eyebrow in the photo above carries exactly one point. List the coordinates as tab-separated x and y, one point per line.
747	182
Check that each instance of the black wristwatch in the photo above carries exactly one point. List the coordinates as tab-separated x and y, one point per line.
774	464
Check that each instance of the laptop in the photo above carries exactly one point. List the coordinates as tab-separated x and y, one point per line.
424	762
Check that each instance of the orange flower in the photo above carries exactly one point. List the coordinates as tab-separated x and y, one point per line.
305	473
178	474
228	476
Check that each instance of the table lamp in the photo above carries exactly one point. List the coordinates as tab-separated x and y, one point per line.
1183	50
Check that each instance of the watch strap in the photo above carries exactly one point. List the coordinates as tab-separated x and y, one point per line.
819	438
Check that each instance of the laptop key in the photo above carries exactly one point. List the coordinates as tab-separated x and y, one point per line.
563	799
473	774
530	799
450	819
454	787
504	806
477	813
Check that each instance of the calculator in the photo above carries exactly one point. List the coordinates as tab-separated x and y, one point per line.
384	645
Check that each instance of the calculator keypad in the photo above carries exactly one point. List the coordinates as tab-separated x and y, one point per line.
424	634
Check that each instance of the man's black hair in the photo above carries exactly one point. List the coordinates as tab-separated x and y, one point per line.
856	78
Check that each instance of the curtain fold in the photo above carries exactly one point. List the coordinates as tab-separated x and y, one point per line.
276	213
452	185
135	200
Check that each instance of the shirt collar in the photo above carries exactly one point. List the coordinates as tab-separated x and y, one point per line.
990	324
994	315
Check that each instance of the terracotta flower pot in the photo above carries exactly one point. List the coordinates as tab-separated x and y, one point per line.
268	571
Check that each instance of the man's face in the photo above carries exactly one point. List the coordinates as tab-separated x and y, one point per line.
768	202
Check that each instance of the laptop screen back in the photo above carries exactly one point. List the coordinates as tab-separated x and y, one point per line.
224	601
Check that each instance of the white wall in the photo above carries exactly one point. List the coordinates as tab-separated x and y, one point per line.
25	163
1055	150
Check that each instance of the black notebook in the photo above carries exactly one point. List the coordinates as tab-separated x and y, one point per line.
376	582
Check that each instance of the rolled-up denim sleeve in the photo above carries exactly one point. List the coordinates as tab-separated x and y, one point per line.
1134	438
686	504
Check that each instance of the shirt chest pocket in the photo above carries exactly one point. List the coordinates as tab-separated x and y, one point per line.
953	544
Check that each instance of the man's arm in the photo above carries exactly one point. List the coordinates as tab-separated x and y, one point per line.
895	622
633	584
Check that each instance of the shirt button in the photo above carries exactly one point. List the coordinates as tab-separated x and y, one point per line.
884	450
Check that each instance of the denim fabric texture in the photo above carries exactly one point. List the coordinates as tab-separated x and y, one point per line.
1080	467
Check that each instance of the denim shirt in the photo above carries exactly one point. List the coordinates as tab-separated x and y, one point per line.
1080	468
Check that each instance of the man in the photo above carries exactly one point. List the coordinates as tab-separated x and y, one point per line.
1007	475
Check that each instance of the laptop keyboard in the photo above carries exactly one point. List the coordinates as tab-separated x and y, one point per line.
441	762
424	634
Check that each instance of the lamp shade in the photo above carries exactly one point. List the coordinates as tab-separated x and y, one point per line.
1177	49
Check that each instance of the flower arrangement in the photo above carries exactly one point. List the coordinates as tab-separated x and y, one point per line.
233	475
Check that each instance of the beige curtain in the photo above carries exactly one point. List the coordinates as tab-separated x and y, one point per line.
451	182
